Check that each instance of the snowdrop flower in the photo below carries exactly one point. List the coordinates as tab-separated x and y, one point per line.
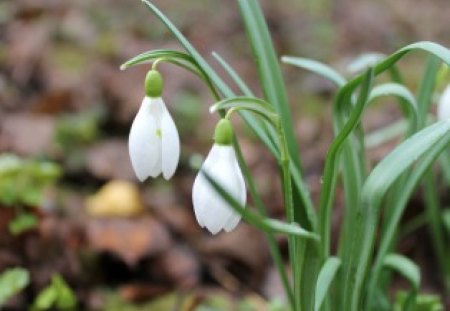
443	110
211	210
153	144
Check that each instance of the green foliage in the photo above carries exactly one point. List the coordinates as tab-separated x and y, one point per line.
56	295
75	130
422	302
22	222
22	181
12	281
371	189
446	219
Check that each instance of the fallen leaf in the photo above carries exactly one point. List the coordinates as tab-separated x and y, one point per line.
130	239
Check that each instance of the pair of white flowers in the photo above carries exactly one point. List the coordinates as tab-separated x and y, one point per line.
154	147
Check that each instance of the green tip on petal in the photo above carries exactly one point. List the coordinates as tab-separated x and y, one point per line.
223	135
153	84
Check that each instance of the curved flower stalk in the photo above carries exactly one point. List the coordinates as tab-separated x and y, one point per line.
443	110
211	210
154	144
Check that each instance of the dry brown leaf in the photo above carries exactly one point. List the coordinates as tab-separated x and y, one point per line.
130	239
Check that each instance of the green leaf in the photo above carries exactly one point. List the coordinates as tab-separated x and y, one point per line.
66	299
364	61
57	294
12	281
262	223
332	163
22	222
423	302
410	271
326	276
273	86
385	134
251	104
150	56
446	220
243	87
317	67
268	140
404	266
429	143
407	101
46	298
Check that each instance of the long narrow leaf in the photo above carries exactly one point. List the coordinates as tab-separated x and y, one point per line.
326	276
317	67
407	268
332	163
379	181
265	224
273	86
243	87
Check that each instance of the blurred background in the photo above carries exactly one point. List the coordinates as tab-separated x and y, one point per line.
71	210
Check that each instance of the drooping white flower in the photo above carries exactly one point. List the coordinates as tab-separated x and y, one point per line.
443	110
211	210
153	144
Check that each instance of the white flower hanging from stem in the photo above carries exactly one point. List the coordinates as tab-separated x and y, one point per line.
154	144
211	210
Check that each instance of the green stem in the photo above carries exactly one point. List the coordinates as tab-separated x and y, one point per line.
434	215
274	250
289	206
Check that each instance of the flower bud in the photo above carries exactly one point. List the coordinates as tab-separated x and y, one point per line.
153	84
223	134
443	110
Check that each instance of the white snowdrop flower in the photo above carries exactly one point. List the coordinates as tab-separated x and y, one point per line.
211	210
443	110
153	144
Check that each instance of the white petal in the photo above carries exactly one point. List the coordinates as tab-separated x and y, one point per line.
211	209
143	142
443	111
156	110
170	144
235	218
201	188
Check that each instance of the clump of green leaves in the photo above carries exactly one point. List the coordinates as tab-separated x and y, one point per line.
12	281
57	295
22	184
423	302
74	130
22	181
